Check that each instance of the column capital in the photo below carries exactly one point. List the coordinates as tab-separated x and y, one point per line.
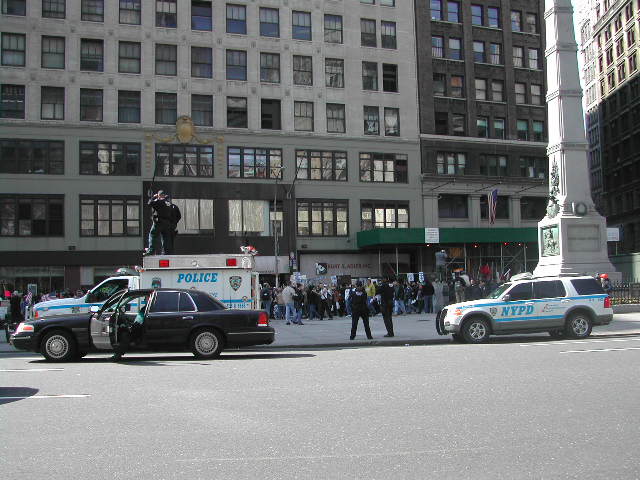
563	93
563	146
557	9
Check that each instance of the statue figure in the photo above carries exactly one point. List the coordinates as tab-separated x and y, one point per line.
165	219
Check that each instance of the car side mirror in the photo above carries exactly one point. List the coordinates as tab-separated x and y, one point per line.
506	298
94	308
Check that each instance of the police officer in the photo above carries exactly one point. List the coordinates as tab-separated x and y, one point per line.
386	300
165	218
359	308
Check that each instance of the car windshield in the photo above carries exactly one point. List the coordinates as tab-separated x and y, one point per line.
497	293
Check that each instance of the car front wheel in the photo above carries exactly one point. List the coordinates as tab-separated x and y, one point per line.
475	330
206	344
58	346
578	325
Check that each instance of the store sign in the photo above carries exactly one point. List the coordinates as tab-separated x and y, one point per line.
431	235
355	265
613	234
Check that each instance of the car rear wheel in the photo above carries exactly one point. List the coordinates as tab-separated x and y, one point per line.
58	346
206	344
475	330
578	325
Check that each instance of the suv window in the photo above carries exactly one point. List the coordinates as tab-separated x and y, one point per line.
587	286
550	289
522	291
107	289
186	305
166	302
205	303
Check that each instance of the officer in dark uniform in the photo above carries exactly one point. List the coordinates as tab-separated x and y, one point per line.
386	292
359	308
162	232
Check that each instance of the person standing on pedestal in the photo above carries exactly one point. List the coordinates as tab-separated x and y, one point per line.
386	305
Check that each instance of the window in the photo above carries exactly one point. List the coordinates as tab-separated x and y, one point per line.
300	25
516	21
521	291
518	57
302	70
269	22
128	106
303	116
129	57
521	93
14	7
497	90
534	167
53	9
166	15
383	167
333	28
550	289
495	53
477	15
442	123
494	17
536	94
52	103
502	207
166	59
493	165
522	127
32	216
166	108
437	46
335	118
439	80
538	131
631	38
236	65
237	112
322	218
110	158
201	62
32	156
166	302
334	72
11	102
533	59
481	88
633	63
201	16
457	86
202	110
453	206
458	122
254	162
90	105
478	52
369	76
203	301
499	128
368	37
173	160
388	35
91	55
130	12
436	9
455	48
451	163
371	120
532	23
388	3
53	52
391	122
621	72
251	217
453	12
197	219
92	10
109	216
609	55
375	214
321	165
270	67
13	49
482	124
533	208
389	77
270	114
237	19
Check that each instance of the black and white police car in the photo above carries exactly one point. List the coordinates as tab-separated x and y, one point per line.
562	306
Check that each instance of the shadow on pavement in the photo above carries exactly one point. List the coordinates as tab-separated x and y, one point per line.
157	361
13	394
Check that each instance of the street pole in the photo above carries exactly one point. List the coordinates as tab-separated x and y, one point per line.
275	231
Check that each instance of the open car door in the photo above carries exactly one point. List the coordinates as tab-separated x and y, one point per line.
103	323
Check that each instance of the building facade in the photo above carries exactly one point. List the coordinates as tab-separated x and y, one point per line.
289	126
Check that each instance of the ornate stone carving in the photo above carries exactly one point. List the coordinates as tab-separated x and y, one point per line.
550	243
553	208
185	133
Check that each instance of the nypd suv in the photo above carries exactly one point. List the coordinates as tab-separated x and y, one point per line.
562	306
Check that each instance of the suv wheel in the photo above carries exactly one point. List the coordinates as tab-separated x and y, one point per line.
578	325
58	346
475	330
206	344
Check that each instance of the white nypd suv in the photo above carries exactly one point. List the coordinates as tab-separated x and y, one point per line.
562	306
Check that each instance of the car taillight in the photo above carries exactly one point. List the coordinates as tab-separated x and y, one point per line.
24	327
37	314
607	302
263	320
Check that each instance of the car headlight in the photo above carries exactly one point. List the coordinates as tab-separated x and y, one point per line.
24	327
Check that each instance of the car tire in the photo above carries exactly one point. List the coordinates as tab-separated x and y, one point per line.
206	343
58	346
457	338
556	334
578	325
475	330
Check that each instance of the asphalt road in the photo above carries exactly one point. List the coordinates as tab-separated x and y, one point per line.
514	408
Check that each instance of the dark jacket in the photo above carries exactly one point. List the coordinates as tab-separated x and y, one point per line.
358	298
428	289
386	293
163	214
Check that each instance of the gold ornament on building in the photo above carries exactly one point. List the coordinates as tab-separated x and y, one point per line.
185	133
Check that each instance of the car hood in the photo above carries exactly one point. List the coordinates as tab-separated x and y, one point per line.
60	301
60	319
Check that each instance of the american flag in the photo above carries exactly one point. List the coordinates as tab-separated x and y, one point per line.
28	297
492	203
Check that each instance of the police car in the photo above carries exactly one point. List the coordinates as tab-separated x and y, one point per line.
562	306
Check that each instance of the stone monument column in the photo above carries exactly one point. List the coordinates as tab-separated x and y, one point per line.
572	237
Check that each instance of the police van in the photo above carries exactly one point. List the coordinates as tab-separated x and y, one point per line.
229	278
562	306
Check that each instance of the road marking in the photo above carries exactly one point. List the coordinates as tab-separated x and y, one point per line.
35	397
33	370
606	340
602	350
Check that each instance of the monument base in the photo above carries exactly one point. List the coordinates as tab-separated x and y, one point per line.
574	245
